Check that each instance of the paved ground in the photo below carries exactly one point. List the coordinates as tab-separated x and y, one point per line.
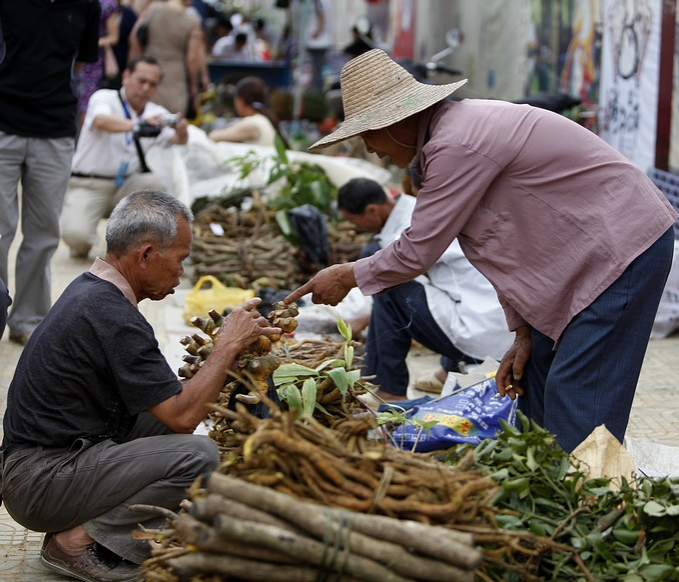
655	415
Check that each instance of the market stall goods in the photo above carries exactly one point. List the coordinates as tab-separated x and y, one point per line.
254	364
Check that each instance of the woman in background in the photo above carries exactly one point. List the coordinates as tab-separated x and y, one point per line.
91	75
257	125
127	18
176	39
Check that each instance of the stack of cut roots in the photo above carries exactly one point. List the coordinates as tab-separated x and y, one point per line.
248	249
241	531
253	524
251	247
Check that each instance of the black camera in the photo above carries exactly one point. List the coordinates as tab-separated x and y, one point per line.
145	129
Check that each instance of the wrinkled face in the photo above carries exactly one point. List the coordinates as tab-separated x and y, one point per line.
369	221
141	84
164	268
378	141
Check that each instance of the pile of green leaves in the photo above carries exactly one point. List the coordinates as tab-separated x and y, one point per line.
630	534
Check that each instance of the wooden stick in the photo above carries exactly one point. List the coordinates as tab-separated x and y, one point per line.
249	570
452	547
324	556
207	508
190	531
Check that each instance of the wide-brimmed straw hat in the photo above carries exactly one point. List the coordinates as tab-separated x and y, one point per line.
377	92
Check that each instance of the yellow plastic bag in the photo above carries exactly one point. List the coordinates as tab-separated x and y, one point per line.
210	293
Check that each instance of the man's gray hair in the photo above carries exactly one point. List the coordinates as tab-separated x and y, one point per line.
144	216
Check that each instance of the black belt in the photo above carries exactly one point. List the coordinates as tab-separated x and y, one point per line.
95	176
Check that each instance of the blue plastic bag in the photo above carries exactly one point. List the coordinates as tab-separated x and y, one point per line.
468	415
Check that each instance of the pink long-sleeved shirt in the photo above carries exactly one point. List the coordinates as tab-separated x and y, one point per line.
545	209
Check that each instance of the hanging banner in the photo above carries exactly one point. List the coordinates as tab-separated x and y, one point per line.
630	67
674	127
404	29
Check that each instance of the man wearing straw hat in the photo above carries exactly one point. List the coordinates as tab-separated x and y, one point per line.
575	239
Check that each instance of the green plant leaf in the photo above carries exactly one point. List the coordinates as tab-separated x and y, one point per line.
291	372
286	228
657	572
334	363
280	149
654	509
320	407
291	395
309	393
344	329
339	377
348	355
353	377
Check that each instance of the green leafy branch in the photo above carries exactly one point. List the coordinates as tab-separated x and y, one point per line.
303	399
630	534
302	183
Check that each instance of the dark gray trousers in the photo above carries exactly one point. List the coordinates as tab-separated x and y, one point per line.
94	484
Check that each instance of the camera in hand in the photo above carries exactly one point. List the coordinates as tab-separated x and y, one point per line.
170	120
145	129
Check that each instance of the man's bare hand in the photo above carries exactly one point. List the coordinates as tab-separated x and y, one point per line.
245	324
328	286
510	371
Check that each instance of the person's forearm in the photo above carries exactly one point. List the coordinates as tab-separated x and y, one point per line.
180	138
206	385
238	133
195	60
112	124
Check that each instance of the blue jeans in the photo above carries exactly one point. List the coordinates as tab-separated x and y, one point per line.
591	377
398	317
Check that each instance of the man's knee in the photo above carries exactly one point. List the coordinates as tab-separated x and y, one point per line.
77	230
204	455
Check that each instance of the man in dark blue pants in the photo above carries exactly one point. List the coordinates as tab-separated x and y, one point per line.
453	310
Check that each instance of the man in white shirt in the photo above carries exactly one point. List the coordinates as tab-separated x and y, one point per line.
233	48
453	310
109	161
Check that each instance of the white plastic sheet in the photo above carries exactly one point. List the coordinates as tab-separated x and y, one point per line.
200	167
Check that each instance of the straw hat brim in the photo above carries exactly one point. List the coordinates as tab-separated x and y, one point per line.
388	112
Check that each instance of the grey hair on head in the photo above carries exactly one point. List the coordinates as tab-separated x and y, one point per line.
144	216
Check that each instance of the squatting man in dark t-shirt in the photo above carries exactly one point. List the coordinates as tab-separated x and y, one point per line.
96	419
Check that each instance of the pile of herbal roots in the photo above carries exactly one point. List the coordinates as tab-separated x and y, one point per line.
295	500
300	497
248	249
298	501
240	248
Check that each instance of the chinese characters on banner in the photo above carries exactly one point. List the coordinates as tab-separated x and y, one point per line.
630	67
